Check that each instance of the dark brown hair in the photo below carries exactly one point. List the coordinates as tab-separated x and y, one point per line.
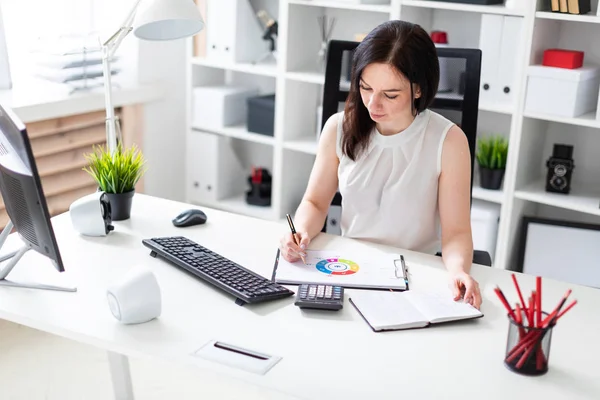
411	51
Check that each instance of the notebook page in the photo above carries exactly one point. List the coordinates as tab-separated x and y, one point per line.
440	306
387	310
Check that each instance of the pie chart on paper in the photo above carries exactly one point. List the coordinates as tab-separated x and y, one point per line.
337	266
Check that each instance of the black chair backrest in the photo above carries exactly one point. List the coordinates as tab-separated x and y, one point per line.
468	105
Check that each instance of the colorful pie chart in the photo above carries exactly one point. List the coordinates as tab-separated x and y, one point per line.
337	266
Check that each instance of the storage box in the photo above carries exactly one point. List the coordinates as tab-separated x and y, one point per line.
561	58
220	106
485	218
261	114
562	92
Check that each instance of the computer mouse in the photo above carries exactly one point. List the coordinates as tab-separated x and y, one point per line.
190	217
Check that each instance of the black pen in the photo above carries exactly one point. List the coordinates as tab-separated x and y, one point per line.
293	229
404	271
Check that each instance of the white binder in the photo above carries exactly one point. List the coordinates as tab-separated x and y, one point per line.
214	171
500	43
233	32
510	55
490	42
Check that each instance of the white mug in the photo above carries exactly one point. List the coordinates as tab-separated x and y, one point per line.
136	297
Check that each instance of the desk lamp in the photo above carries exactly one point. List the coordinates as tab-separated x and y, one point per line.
160	20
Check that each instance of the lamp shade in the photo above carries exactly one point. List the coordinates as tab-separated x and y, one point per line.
168	20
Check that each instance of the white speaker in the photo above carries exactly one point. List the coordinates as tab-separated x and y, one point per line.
91	215
136	297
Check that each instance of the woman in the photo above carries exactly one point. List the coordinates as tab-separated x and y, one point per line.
403	171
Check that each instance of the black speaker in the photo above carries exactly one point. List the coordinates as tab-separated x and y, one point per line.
560	168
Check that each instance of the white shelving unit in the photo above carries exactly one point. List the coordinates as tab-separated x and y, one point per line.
298	85
463	7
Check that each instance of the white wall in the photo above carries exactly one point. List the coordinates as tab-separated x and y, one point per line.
164	120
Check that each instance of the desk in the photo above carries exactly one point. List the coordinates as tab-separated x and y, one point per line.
324	354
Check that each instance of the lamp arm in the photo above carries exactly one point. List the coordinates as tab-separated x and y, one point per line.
109	47
116	38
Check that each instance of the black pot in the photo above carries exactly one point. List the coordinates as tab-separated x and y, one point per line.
120	204
490	178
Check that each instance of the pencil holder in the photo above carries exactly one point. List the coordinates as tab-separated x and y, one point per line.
528	345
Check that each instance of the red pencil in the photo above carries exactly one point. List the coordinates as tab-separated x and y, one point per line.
566	309
538	291
519	320
531	308
514	278
505	303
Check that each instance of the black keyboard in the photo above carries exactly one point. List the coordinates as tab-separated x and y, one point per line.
245	285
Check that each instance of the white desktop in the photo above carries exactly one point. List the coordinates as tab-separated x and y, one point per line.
320	354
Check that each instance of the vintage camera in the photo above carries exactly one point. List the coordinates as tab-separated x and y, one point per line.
560	167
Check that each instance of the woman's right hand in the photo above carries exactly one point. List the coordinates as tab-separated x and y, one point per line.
290	251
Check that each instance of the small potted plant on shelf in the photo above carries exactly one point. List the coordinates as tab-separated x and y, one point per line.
116	175
491	157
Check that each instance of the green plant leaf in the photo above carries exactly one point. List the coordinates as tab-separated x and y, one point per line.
118	172
492	151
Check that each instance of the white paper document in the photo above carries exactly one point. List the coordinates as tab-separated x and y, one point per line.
375	269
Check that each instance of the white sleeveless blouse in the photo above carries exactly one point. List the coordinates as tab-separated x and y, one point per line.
390	193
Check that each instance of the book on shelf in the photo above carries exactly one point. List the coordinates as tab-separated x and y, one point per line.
578	7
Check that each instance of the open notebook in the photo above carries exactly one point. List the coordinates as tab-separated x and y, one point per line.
410	309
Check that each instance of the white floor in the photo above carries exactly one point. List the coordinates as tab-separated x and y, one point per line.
38	366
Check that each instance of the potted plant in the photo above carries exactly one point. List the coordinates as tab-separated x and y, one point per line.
116	175
491	157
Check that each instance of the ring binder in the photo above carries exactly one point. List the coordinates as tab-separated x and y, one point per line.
404	270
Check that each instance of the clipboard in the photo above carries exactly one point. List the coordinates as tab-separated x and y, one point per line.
332	269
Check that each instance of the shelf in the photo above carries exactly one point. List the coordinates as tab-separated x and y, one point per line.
238	205
588	119
381	8
591	18
581	198
306	76
441	5
496	108
38	99
494	196
308	145
238	132
267	69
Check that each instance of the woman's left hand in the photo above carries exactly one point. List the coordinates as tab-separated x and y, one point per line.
464	286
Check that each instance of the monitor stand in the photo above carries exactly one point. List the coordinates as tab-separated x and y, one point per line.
14	257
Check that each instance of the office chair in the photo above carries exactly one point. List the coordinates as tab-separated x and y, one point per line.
335	93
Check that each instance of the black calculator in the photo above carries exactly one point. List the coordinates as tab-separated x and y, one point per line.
323	297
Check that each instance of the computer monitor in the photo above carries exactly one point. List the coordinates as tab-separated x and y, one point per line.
24	200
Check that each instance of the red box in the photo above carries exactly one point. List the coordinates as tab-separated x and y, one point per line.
570	59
